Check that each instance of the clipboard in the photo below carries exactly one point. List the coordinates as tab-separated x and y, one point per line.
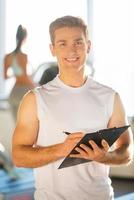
109	134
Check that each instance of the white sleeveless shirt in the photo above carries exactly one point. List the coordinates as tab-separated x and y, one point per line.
63	108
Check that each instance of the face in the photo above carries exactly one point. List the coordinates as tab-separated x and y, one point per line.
70	48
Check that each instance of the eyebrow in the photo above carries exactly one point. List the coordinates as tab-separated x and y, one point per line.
77	39
59	41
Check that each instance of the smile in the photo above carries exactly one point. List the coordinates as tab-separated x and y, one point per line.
71	59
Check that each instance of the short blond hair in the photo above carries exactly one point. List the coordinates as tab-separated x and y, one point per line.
67	21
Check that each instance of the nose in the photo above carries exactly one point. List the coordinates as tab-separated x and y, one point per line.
72	49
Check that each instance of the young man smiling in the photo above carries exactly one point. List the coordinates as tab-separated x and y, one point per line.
75	103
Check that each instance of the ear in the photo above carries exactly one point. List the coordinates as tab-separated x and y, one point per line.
52	49
88	46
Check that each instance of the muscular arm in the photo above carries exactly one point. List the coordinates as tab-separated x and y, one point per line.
24	150
123	152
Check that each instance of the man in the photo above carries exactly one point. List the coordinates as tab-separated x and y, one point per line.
75	103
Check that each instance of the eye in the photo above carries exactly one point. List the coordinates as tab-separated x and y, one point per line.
79	43
62	44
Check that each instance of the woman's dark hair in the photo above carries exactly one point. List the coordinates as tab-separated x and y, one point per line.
67	21
20	36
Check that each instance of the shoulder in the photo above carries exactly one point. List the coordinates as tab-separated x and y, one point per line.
101	85
37	89
27	108
101	88
8	56
28	100
8	59
29	96
24	55
118	105
118	117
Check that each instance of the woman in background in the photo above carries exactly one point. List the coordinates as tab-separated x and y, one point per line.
17	62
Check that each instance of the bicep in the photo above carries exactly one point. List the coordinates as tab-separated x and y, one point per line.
26	130
118	119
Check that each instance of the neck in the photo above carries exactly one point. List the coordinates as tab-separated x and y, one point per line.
76	79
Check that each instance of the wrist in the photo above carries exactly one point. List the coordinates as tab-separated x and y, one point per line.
107	158
60	151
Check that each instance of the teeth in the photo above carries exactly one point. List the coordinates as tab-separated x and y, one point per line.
71	59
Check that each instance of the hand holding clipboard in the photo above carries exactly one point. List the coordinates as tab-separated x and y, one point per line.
109	134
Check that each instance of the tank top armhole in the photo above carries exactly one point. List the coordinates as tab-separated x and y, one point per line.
111	103
36	92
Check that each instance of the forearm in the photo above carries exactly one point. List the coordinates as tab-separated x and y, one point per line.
122	155
32	157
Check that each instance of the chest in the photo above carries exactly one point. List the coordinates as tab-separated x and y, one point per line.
75	113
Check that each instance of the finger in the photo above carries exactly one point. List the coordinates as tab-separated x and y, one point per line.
76	155
81	151
105	145
86	148
94	145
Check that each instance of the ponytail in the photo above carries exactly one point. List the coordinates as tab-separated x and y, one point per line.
20	36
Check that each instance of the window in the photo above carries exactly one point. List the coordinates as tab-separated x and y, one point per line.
36	16
113	43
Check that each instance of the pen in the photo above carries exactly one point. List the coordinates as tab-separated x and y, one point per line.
67	133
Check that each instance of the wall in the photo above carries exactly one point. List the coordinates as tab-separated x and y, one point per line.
2	39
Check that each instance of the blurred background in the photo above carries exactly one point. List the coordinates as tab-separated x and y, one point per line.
111	62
